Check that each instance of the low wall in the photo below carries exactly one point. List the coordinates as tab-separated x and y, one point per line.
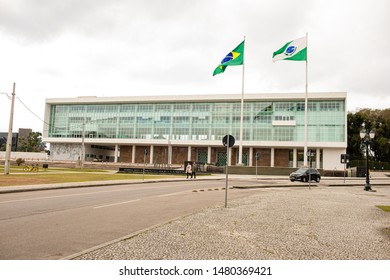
261	170
150	170
25	156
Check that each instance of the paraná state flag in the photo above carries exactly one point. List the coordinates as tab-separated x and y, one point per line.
235	57
294	50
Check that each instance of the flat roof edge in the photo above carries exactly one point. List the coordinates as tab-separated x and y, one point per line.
198	98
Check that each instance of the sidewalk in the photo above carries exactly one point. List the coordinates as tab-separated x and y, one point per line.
273	224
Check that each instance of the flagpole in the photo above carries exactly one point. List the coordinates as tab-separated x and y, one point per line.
306	106
242	113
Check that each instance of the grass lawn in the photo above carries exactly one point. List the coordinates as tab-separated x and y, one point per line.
65	176
384	208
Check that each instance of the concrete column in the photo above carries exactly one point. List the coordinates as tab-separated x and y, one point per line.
169	154
295	157
318	158
116	153
272	157
208	154
250	156
230	157
151	154
189	153
133	154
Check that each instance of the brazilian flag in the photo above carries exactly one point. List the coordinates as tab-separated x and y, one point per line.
235	57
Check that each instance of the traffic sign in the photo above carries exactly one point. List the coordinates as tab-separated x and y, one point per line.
228	140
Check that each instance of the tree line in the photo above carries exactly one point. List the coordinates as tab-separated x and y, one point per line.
370	120
31	143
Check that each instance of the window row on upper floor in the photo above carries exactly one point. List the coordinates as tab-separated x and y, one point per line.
255	106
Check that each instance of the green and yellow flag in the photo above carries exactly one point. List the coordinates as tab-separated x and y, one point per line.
235	57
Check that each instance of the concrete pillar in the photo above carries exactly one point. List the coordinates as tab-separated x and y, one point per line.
295	157
151	154
230	157
116	153
250	156
189	153
133	154
169	154
208	154
318	158
272	157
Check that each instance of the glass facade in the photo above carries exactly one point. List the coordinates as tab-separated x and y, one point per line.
276	121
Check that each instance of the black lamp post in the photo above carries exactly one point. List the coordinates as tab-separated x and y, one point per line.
366	137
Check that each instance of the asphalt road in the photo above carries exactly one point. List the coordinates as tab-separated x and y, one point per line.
53	224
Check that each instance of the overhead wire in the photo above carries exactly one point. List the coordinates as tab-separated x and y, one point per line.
32	111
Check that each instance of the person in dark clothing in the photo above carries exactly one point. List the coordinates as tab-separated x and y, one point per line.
193	174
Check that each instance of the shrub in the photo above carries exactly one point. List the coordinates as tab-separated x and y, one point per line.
19	161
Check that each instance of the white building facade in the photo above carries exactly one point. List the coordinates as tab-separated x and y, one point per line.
166	130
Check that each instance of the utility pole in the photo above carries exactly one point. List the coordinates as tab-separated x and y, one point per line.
9	139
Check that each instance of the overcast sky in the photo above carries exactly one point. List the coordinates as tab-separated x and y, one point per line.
70	48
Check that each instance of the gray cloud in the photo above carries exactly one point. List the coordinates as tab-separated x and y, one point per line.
54	48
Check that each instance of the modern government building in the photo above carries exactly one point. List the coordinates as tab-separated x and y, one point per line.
169	130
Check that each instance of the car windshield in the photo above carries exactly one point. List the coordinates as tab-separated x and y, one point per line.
301	170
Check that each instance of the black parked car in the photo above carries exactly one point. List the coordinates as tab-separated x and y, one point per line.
302	174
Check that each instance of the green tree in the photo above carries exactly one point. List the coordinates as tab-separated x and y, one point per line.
3	143
376	120
33	143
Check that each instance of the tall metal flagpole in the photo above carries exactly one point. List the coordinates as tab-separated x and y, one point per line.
306	106
242	112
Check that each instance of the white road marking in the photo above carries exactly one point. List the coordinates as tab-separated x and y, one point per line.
114	204
171	194
54	196
135	200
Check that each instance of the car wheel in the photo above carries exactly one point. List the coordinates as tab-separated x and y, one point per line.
292	180
304	179
317	179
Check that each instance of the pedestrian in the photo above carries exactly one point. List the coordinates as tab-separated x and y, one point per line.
189	170
193	171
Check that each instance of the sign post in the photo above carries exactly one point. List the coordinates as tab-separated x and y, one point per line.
228	142
344	160
257	156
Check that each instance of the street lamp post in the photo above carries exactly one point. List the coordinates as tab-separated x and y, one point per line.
366	137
